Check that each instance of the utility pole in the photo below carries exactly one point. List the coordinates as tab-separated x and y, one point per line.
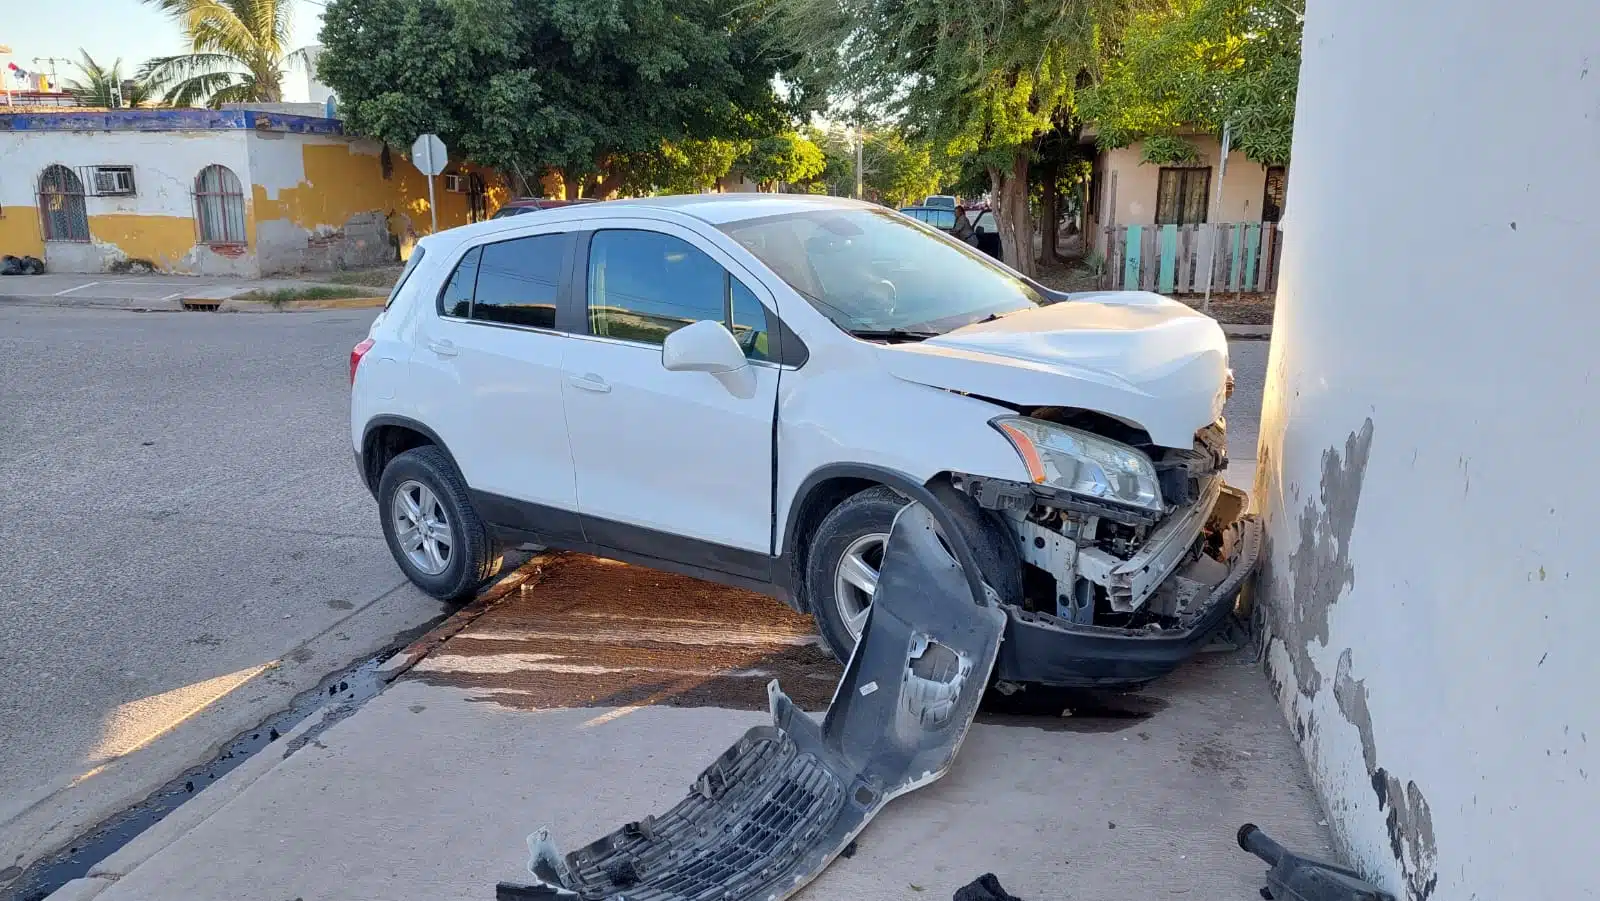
860	140
1216	206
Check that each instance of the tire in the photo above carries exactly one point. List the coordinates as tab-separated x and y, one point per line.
458	564
863	520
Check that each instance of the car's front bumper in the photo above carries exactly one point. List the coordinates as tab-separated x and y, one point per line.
1047	649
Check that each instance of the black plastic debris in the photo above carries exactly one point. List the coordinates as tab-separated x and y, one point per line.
1291	877
776	808
985	888
25	265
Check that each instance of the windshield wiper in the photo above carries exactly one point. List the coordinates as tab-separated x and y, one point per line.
891	334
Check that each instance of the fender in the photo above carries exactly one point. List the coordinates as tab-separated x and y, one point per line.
370	478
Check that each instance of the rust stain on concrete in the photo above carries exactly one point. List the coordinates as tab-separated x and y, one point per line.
594	633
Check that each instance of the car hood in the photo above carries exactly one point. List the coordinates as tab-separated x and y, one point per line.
1133	355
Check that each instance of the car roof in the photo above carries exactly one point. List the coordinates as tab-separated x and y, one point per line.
713	209
719	209
546	201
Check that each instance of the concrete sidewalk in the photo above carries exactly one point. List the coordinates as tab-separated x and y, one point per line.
557	707
167	292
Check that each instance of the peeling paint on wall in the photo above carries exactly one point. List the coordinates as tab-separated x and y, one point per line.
1299	601
155	224
1319	569
313	198
325	203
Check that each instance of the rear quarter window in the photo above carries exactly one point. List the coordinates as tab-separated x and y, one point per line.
411	265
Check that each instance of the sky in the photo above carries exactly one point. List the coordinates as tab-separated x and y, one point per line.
129	29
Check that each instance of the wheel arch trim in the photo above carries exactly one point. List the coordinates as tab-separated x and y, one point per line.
907	485
382	420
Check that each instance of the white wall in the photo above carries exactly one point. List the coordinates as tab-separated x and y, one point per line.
165	165
1430	422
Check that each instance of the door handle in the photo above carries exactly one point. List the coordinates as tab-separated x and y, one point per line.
589	382
444	347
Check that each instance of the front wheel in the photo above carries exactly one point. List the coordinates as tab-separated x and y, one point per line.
847	553
431	527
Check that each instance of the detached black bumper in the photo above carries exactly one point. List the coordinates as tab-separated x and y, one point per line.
1045	649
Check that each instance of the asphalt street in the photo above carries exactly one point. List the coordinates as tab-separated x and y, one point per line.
184	546
1249	361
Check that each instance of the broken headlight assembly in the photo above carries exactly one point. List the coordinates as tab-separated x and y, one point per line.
1083	463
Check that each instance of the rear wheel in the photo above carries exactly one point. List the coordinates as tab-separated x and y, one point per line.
847	553
431	527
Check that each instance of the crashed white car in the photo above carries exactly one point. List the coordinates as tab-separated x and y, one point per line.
742	388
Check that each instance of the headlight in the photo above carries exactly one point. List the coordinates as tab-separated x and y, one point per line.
1083	463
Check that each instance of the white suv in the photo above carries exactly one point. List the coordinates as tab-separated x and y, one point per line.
747	388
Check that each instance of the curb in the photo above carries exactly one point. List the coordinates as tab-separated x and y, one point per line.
1247	331
523	577
194	812
230	305
187	817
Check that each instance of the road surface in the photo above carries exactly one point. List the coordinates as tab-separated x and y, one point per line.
184	546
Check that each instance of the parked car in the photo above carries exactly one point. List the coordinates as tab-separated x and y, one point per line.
942	201
521	205
744	388
985	236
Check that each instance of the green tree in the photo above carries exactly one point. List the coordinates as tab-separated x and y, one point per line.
1197	64
982	81
103	86
786	157
238	51
588	88
681	167
897	170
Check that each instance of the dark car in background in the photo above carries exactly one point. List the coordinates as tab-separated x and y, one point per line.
985	236
523	205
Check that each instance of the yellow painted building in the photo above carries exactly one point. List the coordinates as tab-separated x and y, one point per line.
217	192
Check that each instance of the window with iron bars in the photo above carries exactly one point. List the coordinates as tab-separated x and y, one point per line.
219	206
62	213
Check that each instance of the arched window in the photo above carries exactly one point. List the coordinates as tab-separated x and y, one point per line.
61	205
219	206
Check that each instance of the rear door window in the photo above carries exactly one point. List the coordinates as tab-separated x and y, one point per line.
518	281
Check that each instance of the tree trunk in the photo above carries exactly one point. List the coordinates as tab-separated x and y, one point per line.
607	186
1050	216
1010	188
571	185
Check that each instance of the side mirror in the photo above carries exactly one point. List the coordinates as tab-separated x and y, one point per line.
705	346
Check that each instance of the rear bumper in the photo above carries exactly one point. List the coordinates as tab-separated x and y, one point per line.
1052	651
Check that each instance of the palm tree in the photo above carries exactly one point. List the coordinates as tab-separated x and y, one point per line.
105	87
237	52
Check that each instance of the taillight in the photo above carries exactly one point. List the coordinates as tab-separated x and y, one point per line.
356	353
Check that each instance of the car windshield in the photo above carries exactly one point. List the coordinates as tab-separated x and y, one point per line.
877	274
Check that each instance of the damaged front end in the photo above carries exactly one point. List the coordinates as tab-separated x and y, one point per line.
780	804
1127	573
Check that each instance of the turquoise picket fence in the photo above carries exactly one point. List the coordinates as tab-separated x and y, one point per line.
1172	259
